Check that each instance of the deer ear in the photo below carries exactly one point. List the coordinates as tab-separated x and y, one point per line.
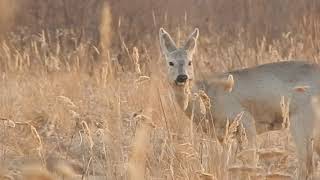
227	85
191	43
230	83
166	43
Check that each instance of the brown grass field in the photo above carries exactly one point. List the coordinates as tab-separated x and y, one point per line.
83	91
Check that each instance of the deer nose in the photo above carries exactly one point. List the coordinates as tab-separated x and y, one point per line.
182	78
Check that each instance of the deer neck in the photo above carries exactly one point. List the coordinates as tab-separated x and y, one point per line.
184	98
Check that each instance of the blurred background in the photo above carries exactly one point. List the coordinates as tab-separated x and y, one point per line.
140	18
116	23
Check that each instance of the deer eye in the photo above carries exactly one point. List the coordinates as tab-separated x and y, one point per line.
189	63
171	63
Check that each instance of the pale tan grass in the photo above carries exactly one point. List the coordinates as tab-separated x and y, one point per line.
34	172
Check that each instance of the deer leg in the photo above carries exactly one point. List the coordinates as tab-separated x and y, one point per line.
250	129
301	126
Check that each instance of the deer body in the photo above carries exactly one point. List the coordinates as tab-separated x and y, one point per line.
256	92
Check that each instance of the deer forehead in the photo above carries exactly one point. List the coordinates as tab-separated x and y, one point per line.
179	55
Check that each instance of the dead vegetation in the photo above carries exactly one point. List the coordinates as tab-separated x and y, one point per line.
83	94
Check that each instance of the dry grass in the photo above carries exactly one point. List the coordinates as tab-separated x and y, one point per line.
83	93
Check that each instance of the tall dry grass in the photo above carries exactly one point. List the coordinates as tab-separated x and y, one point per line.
84	93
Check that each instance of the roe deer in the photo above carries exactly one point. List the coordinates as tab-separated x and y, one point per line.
256	92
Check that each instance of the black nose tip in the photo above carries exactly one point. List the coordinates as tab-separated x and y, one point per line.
182	78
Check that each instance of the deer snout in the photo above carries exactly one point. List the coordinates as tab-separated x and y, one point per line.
182	78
